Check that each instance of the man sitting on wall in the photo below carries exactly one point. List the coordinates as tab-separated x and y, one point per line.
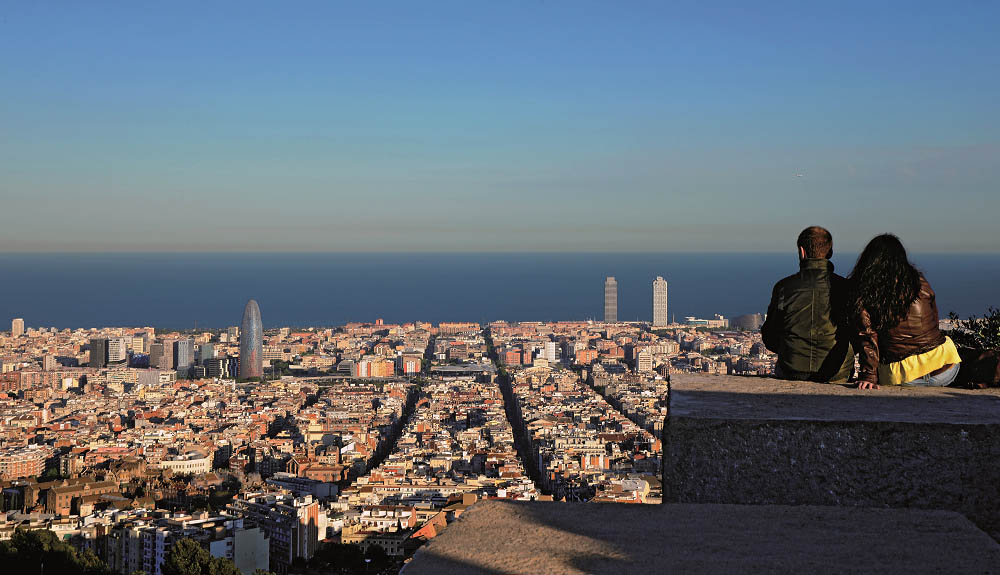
806	319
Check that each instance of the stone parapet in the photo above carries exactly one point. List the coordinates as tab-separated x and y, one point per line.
763	441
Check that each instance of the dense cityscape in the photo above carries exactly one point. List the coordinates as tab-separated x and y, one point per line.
281	449
480	288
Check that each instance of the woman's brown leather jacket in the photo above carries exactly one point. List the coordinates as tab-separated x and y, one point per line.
916	334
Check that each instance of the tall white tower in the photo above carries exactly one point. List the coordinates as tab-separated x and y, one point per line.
610	300
660	302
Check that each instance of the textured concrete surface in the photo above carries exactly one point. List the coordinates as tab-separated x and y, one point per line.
753	398
562	538
761	441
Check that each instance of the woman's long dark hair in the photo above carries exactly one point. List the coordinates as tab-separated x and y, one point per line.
884	282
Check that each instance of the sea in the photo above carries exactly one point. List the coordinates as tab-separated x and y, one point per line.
209	290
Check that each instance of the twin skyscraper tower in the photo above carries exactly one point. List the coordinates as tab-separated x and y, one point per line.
659	301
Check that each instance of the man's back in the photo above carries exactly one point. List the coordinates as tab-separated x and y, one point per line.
805	325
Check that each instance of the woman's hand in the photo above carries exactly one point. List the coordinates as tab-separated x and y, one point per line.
867	385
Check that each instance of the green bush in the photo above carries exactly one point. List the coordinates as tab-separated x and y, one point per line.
977	333
186	557
40	551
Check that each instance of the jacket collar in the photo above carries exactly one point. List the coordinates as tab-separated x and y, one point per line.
816	264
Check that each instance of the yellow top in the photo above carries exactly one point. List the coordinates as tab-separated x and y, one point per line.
915	366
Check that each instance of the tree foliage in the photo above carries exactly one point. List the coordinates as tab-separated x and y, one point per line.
41	550
977	333
51	474
336	557
340	558
187	557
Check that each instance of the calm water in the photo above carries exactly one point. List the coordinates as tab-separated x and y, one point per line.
180	290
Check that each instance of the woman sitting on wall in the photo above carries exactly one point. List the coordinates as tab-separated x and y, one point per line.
897	318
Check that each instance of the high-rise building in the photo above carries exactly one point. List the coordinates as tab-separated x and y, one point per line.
117	351
49	363
610	300
17	327
206	351
660	302
216	367
98	352
140	343
161	354
183	354
251	342
232	334
155	354
644	361
550	352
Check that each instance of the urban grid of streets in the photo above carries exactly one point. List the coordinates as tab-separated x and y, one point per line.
371	434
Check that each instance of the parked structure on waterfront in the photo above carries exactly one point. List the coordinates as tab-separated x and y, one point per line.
748	322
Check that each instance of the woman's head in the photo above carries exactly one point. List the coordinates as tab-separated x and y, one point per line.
885	282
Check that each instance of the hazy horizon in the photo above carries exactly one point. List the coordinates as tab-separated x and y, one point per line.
179	290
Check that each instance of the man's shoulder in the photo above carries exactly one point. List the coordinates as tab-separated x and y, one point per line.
799	282
787	281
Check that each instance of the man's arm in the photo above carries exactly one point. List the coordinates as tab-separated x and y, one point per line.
773	326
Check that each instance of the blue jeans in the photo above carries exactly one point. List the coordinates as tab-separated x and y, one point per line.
940	380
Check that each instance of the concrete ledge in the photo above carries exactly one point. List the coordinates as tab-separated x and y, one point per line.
762	441
563	538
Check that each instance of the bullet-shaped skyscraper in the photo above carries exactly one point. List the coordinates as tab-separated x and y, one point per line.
251	342
660	302
610	300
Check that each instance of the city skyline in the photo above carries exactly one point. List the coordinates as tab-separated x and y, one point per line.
345	417
559	287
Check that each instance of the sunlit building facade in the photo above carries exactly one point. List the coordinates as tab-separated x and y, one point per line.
660	302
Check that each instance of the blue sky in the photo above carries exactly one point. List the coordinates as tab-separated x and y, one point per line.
496	126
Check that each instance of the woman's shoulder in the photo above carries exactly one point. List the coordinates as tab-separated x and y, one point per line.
925	286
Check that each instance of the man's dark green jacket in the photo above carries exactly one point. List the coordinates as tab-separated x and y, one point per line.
805	325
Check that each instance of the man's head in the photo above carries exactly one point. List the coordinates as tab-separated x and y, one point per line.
815	242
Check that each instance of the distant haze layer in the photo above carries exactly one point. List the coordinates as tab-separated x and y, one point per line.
210	290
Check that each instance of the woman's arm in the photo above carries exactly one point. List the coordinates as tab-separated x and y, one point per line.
866	344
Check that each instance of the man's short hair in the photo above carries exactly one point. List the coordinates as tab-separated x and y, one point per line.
816	241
